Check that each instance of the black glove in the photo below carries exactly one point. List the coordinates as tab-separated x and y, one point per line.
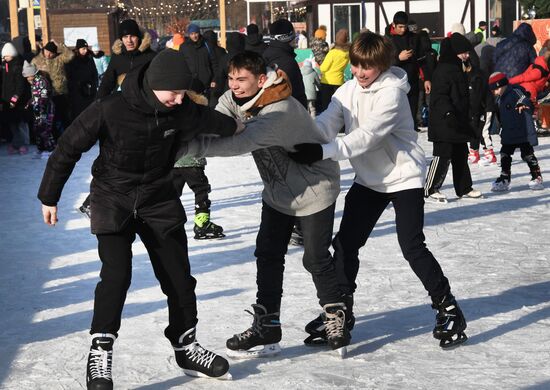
451	120
307	153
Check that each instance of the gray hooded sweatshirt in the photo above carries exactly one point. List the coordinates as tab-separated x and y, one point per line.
290	188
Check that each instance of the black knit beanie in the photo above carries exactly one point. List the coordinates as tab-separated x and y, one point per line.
400	18
81	43
252	29
50	46
282	30
168	71
460	44
129	27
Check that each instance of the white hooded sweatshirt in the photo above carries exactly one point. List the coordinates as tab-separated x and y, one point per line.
380	139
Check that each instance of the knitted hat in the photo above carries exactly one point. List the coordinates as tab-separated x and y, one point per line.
282	30
252	29
321	34
193	28
9	50
460	44
29	69
400	18
458	28
168	71
129	27
497	80
50	46
80	43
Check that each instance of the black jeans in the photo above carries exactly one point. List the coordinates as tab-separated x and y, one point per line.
444	154
198	182
362	210
170	263
527	155
271	248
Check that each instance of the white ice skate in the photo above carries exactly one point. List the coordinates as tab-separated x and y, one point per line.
501	185
536	184
473	194
436	197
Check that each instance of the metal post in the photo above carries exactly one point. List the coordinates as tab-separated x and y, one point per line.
14	20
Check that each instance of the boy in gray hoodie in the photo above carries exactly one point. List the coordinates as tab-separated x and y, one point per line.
262	100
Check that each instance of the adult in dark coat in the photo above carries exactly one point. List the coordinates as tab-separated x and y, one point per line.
449	124
280	52
220	77
131	50
254	41
410	55
200	58
514	54
82	78
139	132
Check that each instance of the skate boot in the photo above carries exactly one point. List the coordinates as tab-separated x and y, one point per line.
100	359
473	156
297	237
536	184
205	229
436	197
449	322
316	327
260	340
197	361
472	194
501	184
338	335
85	210
488	158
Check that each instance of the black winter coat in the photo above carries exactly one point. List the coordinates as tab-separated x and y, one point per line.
282	55
202	64
138	145
14	85
481	99
122	62
82	82
255	43
449	100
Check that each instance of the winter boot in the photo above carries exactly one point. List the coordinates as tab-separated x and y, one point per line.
501	184
205	229
261	339
488	158
100	360
449	322
316	327
197	361
338	335
473	156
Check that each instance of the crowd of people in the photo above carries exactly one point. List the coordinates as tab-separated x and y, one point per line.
154	114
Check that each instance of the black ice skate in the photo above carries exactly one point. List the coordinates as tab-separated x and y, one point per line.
260	340
297	237
100	359
205	229
197	361
316	327
449	322
86	211
338	335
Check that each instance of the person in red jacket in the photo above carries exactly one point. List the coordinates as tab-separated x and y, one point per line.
536	77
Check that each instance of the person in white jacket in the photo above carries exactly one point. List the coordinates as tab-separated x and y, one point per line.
389	164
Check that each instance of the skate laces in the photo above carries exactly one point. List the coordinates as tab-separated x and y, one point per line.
100	363
334	324
197	354
257	327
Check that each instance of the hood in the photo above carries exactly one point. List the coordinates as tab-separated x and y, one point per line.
254	39
307	68
525	32
447	54
276	88
132	90
211	38
394	77
118	46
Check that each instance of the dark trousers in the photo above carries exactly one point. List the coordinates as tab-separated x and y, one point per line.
413	97
527	155
62	118
198	182
170	263
271	247
362	210
325	95
444	154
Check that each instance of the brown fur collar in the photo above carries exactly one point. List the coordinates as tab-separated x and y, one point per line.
276	88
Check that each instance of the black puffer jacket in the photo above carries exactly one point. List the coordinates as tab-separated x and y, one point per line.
82	82
282	55
255	43
201	61
122	62
138	145
449	100
14	86
410	41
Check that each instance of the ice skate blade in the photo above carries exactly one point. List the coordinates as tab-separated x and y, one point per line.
197	374
315	341
458	339
342	352
259	351
210	237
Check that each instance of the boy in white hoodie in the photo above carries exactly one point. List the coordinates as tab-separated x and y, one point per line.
381	144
